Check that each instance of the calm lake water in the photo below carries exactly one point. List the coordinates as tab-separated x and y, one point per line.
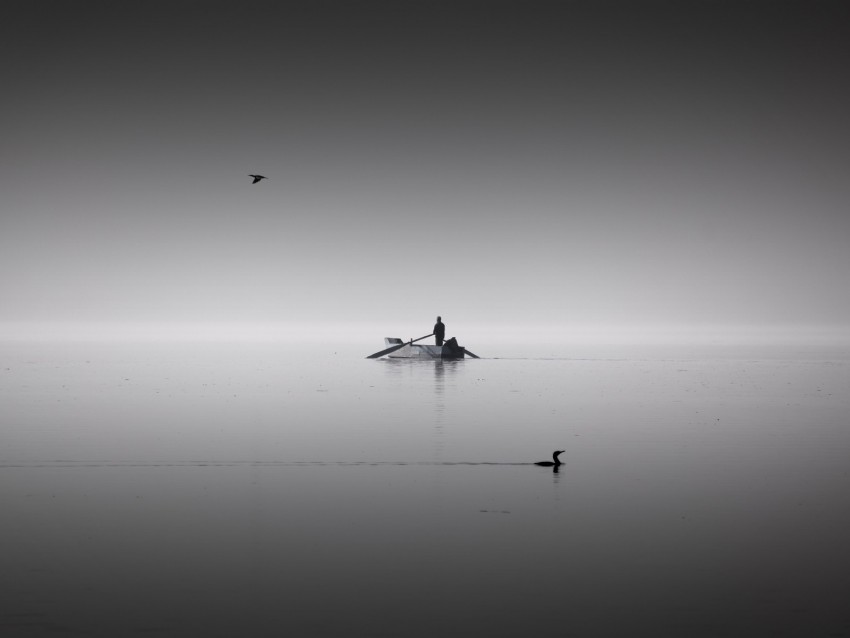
263	489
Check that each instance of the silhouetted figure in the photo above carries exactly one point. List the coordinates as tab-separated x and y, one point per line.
554	462
257	178
439	331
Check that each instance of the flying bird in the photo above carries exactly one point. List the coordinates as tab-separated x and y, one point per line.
257	178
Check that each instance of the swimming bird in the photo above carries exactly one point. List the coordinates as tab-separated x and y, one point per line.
554	460
257	178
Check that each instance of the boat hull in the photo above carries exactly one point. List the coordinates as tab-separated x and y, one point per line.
419	351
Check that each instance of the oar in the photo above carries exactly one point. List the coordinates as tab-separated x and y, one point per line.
471	354
398	347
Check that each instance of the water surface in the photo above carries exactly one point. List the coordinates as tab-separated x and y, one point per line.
265	489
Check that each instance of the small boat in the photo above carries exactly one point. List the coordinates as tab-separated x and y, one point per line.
409	350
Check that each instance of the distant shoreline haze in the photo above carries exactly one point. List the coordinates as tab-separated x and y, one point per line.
470	333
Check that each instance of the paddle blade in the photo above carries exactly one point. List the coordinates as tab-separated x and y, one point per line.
387	351
394	348
471	354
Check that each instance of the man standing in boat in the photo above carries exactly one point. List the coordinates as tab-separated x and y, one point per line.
439	331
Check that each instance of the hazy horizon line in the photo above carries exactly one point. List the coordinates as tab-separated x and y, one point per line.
374	331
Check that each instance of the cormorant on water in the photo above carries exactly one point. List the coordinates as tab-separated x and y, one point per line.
554	460
257	178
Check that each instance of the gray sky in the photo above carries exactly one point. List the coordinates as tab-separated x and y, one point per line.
513	161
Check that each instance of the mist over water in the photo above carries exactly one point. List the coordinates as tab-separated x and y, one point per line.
258	486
